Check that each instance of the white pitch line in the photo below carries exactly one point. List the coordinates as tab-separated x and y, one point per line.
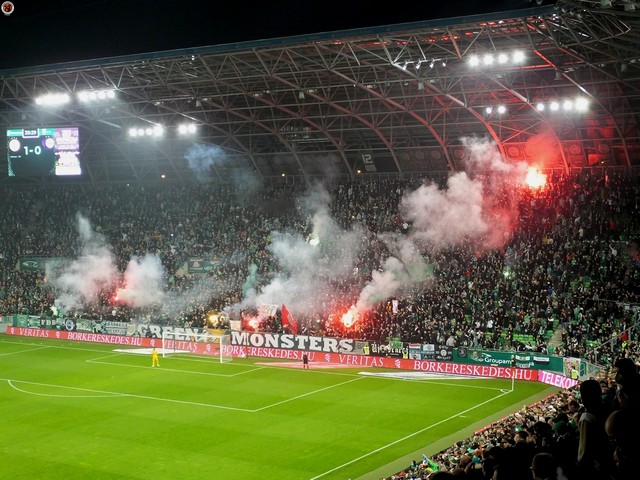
406	437
23	351
61	347
181	401
434	380
111	355
307	394
102	395
461	385
121	394
97	361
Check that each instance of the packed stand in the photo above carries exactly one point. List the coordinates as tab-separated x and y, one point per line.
588	432
571	261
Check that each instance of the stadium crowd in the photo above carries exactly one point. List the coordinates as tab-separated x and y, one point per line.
570	264
587	432
571	261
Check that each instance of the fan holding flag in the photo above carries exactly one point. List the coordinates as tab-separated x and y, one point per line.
289	325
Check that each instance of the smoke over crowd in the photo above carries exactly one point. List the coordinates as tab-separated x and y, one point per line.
81	281
84	281
476	207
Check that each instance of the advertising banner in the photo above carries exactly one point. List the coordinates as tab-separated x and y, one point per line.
35	264
533	360
202	265
26	321
415	351
552	378
321	351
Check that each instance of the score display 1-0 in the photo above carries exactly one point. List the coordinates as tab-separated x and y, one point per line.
43	151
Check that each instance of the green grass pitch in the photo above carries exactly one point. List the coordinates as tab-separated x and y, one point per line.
78	410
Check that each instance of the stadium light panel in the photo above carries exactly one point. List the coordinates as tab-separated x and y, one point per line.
151	131
518	56
581	104
53	99
187	129
93	95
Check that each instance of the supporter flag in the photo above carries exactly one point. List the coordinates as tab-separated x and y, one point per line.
267	310
430	463
288	323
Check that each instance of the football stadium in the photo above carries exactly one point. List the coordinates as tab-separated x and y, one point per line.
401	251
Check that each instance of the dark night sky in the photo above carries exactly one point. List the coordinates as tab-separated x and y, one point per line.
41	33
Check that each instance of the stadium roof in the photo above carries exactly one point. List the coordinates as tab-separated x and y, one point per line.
392	100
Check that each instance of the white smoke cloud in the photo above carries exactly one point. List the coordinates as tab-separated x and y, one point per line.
201	159
309	270
143	282
477	207
80	281
387	282
483	156
176	303
446	217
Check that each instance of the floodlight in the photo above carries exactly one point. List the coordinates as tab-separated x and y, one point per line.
581	104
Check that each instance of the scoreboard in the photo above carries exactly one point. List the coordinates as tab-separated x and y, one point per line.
38	152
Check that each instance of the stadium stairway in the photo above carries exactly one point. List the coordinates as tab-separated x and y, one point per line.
556	339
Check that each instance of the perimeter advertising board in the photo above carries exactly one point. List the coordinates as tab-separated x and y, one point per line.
318	349
532	360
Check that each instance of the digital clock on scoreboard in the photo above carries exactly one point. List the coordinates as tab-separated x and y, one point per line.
43	151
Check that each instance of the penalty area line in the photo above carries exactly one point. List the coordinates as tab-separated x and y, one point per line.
24	351
165	369
124	394
100	395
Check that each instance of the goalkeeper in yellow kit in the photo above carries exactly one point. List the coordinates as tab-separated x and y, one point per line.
154	358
